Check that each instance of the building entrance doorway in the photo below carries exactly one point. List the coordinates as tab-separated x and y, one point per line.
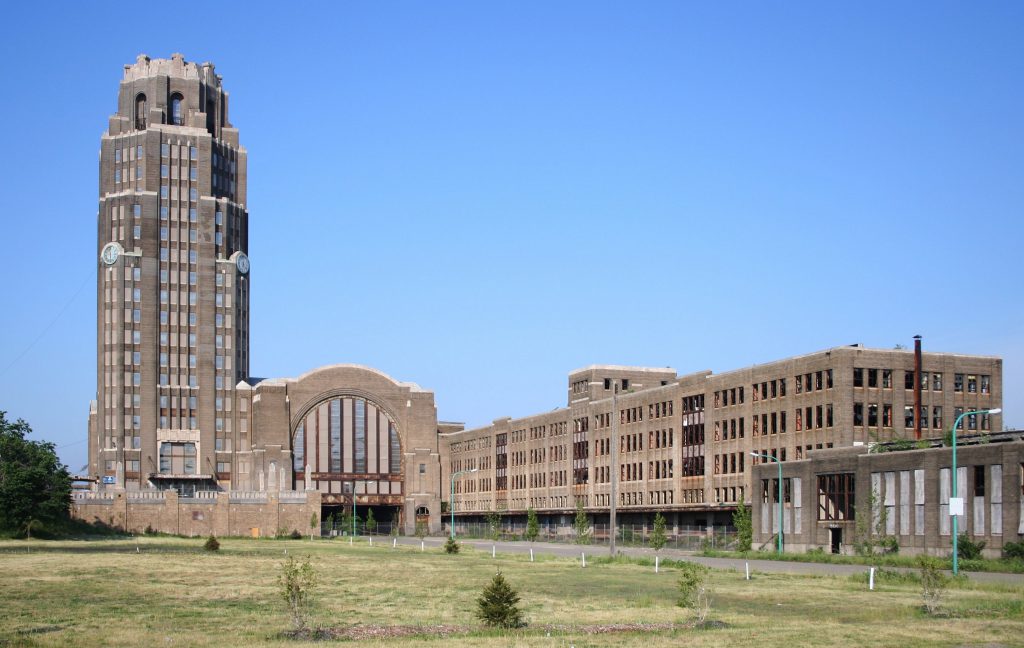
836	539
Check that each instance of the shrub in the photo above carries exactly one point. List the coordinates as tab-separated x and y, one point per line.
450	546
498	605
693	589
295	535
1013	550
968	549
933	582
494	524
212	544
296	583
744	527
421	530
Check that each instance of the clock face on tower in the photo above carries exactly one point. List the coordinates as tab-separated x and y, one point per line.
242	263
111	253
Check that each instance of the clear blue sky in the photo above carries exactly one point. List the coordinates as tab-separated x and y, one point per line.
514	190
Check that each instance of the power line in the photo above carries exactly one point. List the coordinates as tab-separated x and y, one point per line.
49	326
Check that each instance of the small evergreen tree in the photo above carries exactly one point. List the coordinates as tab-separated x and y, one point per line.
581	525
532	526
450	546
741	519
658	536
212	544
498	605
371	523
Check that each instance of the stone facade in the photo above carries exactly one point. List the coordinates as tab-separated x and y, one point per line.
835	498
685	442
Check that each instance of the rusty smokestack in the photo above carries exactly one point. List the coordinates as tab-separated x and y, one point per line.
917	386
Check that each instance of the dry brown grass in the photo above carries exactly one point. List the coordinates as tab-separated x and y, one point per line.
172	593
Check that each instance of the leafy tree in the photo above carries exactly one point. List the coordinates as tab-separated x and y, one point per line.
371	523
581	525
658	537
694	593
741	519
498	605
313	521
295	584
421	530
532	526
933	582
34	485
494	524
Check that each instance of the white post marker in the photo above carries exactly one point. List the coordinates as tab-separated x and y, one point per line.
655	564
584	554
531	554
492	551
371	541
421	545
350	540
394	543
871	579
747	566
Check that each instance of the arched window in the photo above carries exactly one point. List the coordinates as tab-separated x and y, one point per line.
177	118
140	112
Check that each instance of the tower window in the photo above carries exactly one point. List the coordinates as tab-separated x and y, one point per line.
176	110
140	112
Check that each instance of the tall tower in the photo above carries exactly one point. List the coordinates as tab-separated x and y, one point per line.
172	291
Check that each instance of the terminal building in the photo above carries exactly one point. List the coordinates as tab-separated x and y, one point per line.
183	439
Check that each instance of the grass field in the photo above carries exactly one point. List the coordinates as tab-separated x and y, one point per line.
169	592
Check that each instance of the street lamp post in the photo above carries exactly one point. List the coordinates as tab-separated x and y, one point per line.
953	494
451	501
779	463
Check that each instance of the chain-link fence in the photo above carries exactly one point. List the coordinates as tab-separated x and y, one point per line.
686	538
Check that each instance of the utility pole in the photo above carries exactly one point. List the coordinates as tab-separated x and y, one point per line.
614	468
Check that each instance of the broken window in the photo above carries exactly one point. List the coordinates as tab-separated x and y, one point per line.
886	415
818	380
886	378
908	416
937	417
936	381
972	384
873	378
858	414
858	377
986	384
979	481
872	414
799	384
836	497
958	382
908	379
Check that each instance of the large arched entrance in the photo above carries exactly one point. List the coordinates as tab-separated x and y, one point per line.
348	447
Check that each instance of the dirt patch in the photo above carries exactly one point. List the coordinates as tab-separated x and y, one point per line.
365	632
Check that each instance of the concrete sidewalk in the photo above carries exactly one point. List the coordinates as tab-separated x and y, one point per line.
764	566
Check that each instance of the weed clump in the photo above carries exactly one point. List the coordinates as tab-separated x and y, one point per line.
933	582
295	584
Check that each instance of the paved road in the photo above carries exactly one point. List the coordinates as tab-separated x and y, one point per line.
764	566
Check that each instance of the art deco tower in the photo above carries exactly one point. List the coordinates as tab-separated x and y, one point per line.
172	281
